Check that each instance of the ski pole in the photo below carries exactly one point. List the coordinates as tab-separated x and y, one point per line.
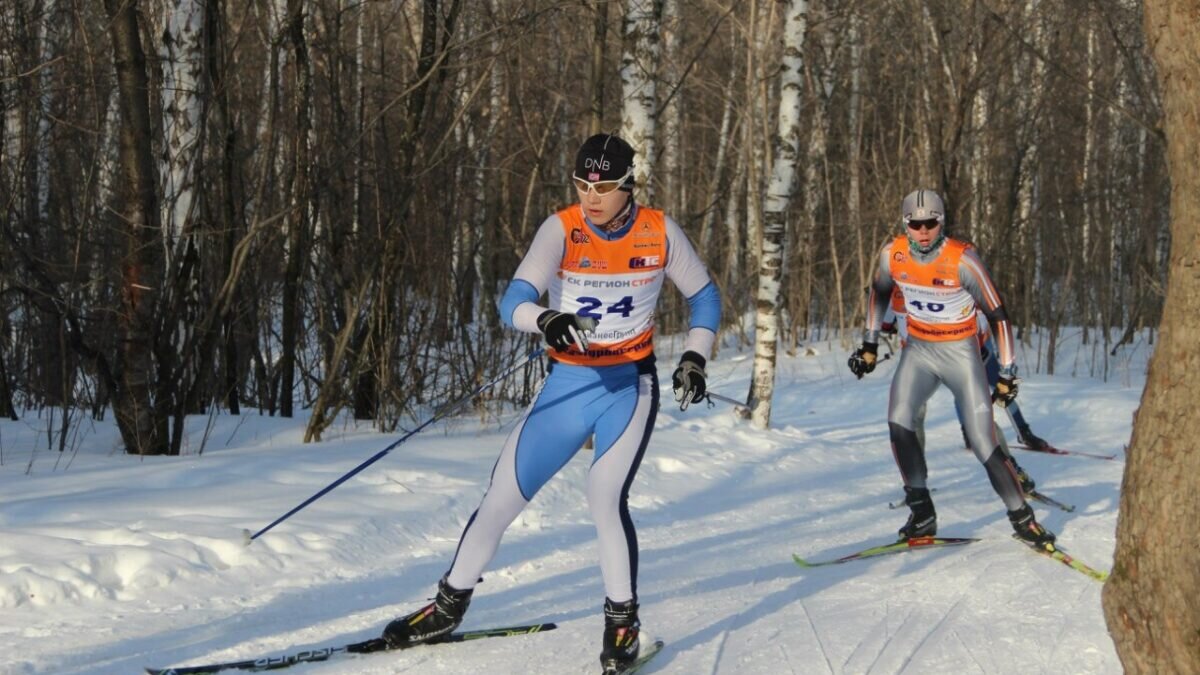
732	401
249	538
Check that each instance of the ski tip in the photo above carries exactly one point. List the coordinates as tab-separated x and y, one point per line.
801	561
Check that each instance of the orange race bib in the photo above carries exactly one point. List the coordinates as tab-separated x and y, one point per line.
617	283
939	309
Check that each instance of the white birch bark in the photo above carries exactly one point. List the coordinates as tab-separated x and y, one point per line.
736	244
1033	85
762	22
485	307
672	162
639	61
786	152
47	40
108	164
464	137
717	183
854	190
182	55
1116	242
981	205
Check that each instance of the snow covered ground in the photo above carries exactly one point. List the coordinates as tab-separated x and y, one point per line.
118	562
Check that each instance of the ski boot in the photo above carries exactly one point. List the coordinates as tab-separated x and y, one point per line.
922	522
433	622
1026	481
1029	530
620	647
1030	439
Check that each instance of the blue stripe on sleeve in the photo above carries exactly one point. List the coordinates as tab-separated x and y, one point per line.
705	308
519	291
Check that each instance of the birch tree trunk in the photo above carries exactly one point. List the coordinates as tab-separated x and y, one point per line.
672	161
1150	600
854	196
1089	300
182	56
639	62
786	152
735	253
1031	81
718	186
981	212
762	25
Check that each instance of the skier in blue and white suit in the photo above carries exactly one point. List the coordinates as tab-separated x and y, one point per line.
602	264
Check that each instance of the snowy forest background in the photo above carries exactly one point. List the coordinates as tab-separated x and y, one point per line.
316	203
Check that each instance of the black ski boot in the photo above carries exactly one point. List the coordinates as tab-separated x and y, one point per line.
1028	529
621	642
431	623
1030	439
922	522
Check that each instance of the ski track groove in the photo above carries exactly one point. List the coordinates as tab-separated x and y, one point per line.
951	560
857	648
816	636
1063	625
725	631
890	636
968	651
932	631
787	659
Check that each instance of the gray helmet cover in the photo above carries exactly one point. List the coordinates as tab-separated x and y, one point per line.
923	205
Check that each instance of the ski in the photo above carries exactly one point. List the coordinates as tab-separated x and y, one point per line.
1051	450
901	504
1050	501
326	653
638	663
888	549
1052	551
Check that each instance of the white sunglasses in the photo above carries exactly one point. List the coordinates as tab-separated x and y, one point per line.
602	187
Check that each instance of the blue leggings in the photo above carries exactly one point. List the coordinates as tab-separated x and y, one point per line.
992	366
616	403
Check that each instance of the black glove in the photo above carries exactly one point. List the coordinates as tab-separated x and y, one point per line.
563	330
1006	390
688	380
863	359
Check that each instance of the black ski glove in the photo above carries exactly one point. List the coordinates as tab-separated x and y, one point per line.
862	361
1006	390
563	330
688	380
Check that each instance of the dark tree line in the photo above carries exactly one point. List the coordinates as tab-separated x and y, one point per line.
275	203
